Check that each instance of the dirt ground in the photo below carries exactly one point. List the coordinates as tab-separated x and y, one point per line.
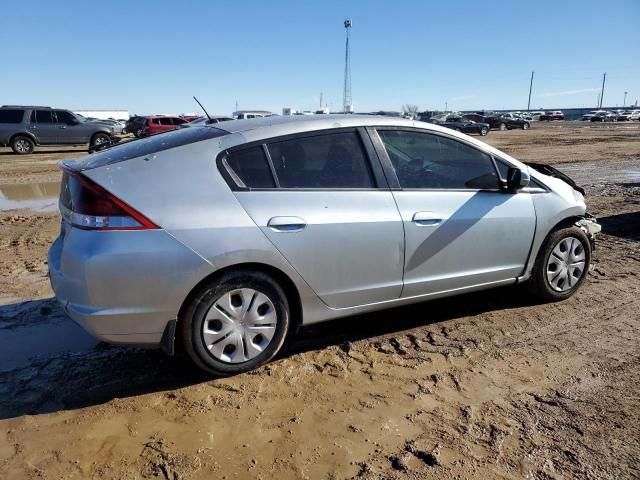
486	385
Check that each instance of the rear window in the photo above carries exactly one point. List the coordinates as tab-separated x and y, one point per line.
146	146
11	116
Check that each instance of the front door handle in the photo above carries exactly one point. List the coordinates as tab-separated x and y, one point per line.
286	224
426	219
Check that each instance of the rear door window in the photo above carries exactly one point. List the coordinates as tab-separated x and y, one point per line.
334	160
11	116
42	116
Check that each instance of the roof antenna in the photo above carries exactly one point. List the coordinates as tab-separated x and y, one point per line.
203	109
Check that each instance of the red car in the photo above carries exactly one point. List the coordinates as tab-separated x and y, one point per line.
555	115
159	124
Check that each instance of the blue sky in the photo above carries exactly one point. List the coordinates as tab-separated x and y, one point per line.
152	56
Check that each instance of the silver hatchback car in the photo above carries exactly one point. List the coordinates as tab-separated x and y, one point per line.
226	237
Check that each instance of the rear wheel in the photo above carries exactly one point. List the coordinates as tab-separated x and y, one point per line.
525	126
484	131
562	264
22	145
236	323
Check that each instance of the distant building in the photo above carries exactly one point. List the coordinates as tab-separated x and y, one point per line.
104	114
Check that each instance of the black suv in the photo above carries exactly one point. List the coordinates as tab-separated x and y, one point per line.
22	128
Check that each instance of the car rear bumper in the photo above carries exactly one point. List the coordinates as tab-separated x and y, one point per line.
122	287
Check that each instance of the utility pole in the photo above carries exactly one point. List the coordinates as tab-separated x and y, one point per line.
346	93
446	106
624	103
321	100
236	105
604	77
530	87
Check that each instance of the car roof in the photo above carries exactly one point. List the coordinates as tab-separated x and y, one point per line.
24	106
302	123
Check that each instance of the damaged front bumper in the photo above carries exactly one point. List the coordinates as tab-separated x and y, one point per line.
590	226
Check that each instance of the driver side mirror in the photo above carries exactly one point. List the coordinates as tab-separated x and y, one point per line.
516	180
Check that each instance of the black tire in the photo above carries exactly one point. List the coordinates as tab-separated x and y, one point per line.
525	126
22	145
193	318
502	127
99	139
137	133
539	283
484	131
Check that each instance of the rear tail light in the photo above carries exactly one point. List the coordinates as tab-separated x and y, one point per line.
87	205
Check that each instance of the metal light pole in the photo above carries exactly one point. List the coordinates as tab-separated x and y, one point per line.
530	88
604	77
346	93
624	103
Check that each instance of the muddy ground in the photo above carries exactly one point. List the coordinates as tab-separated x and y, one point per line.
487	385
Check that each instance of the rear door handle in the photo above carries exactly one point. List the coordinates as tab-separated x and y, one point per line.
286	224
426	219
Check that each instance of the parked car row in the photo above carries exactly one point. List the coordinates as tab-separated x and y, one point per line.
609	116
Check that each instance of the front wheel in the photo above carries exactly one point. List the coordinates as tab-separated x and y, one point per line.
525	126
484	131
100	139
236	323
562	264
502	127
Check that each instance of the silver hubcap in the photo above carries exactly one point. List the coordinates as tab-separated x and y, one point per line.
100	140
566	264
239	325
22	146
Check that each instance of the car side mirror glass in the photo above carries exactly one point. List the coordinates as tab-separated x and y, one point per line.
517	179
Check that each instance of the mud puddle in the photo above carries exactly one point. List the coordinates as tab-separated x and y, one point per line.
42	197
36	330
612	171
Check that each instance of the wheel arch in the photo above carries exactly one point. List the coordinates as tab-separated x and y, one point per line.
99	132
290	289
537	245
23	134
